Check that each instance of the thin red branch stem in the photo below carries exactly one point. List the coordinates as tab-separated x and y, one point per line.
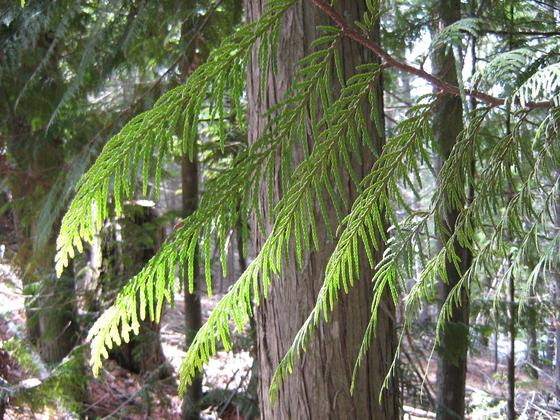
389	61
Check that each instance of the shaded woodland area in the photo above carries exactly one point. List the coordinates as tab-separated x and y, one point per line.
280	209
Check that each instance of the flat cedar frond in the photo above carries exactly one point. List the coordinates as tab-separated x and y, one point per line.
545	83
454	34
503	67
517	209
294	214
340	128
151	133
366	223
145	134
218	212
59	34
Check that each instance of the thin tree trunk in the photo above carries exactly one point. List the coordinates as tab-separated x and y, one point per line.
557	349
496	338
511	356
193	312
447	126
551	341
189	186
511	282
319	388
556	320
137	242
253	385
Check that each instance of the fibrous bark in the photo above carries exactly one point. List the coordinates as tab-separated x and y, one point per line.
319	388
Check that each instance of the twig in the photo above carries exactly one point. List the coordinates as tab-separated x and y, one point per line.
539	409
232	394
133	396
389	61
416	412
419	376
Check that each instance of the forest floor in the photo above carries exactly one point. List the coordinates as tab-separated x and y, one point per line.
117	393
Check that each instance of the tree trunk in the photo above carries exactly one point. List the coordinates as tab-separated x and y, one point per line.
496	338
140	236
57	316
557	350
193	312
51	308
189	185
447	125
511	357
320	386
556	320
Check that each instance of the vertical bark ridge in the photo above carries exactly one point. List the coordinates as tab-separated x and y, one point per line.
319	388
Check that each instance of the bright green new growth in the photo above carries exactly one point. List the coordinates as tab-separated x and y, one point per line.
339	127
223	76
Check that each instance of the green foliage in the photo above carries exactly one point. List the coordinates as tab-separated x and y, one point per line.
505	66
454	34
61	387
366	224
223	74
543	84
515	188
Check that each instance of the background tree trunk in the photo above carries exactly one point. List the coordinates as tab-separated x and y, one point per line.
496	338
447	125
556	320
511	357
140	237
50	303
320	385
193	314
58	327
189	189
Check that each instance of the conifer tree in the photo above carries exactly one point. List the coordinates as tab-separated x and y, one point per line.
300	194
36	160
